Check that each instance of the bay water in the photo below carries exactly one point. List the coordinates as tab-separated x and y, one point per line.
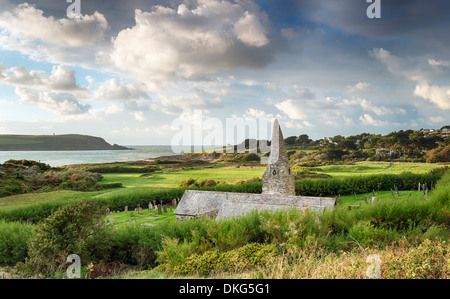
61	158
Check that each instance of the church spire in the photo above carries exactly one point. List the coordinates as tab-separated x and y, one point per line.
278	177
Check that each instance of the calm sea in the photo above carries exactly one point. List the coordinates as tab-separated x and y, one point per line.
60	158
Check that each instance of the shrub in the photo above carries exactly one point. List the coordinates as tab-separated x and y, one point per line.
247	256
430	260
14	238
77	228
106	269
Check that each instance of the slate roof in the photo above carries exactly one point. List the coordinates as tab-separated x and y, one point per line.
230	204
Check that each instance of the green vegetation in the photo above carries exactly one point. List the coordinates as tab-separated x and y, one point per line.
55	143
398	226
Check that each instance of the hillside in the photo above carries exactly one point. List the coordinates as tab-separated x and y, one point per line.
55	143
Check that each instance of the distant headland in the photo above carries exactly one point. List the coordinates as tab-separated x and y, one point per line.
68	142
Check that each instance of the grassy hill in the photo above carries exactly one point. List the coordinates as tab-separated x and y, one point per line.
55	143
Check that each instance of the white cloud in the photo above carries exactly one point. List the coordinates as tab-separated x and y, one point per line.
292	109
138	115
196	99
437	119
434	62
398	66
79	41
62	78
25	21
58	103
360	86
112	89
249	30
368	119
166	44
438	95
366	106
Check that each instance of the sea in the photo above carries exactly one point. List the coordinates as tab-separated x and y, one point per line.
61	158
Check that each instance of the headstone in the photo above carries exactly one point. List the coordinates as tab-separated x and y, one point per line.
126	208
140	211
159	209
165	209
111	217
174	202
131	214
372	199
29	221
150	206
153	214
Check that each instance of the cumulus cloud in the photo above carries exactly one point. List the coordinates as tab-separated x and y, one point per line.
211	36
70	41
368	106
368	119
438	95
196	99
398	66
435	62
58	103
61	78
26	21
292	109
360	86
112	89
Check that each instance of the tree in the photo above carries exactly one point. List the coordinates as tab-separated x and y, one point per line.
290	140
304	140
77	228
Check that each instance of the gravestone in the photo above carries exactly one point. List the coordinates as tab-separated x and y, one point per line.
131	214
150	207
140	211
29	221
159	209
165	209
126	208
153	214
174	202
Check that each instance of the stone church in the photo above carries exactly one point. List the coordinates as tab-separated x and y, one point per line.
278	191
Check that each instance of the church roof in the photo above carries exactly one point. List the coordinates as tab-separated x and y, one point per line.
231	204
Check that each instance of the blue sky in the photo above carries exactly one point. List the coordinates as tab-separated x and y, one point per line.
125	70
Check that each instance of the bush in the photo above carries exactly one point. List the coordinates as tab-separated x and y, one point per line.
14	238
247	256
77	228
364	184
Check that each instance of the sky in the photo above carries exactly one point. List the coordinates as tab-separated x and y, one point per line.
138	72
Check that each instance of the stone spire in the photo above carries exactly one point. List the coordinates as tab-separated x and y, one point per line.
278	177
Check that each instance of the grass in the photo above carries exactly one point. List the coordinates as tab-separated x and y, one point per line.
123	218
29	199
370	168
171	179
379	195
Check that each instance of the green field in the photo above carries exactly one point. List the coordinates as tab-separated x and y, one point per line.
133	217
171	179
30	199
369	168
138	182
